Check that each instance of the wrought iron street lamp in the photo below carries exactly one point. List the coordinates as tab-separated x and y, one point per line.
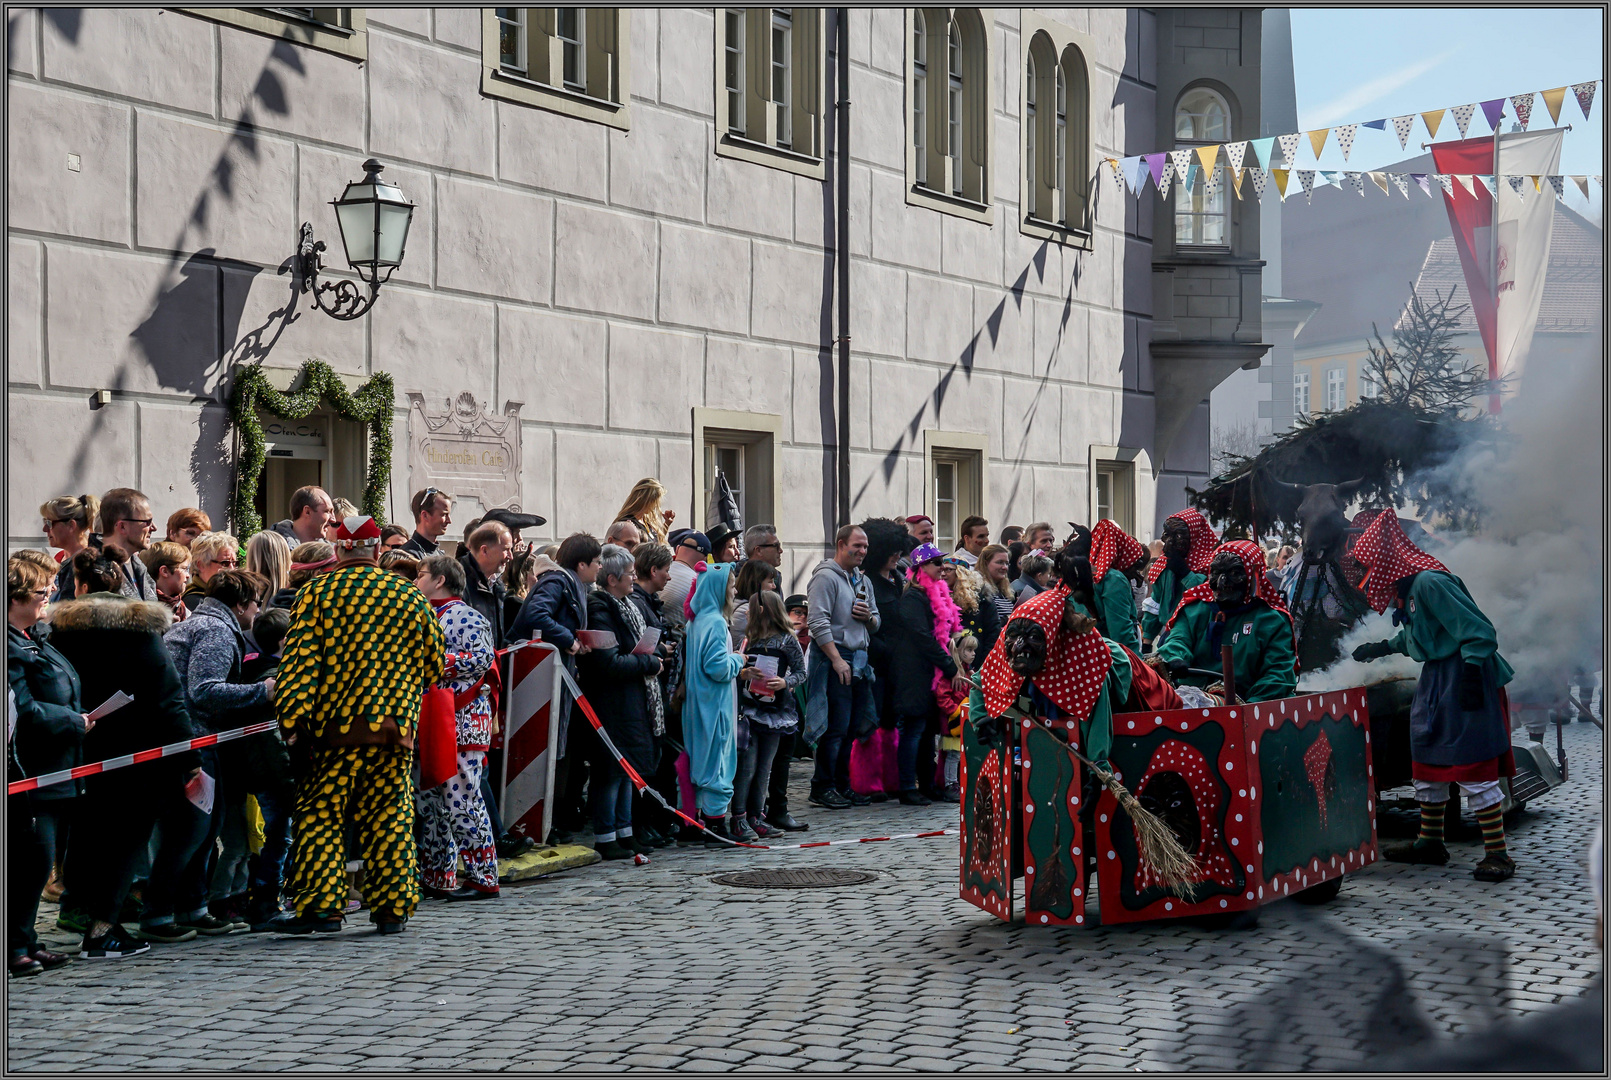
374	218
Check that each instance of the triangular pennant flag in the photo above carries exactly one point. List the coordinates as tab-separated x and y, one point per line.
1483	187
1432	120
1379	125
1261	149
1381	181
1280	177
1317	140
1462	117
1258	181
1233	153
1211	179
1447	181
1598	179
1465	182
1552	102
1402	126
1523	104
1207	155
1345	137
1155	165
1307	179
1190	183
1493	111
1236	181
1358	180
1421	180
1516	185
1557	185
1135	173
1289	149
1585	96
1491	183
1582	183
1534	178
1165	178
1403	184
1180	159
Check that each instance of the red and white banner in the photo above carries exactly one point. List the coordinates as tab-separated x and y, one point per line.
530	736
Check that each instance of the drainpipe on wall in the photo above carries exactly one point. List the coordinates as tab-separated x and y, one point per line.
842	241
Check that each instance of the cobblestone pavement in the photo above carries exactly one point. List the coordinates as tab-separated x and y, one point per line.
617	966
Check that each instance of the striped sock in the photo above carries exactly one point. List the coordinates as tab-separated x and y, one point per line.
1431	823
1492	820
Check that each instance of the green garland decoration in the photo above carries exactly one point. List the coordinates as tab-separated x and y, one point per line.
370	404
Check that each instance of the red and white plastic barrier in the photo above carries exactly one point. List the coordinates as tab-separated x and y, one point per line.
530	733
80	771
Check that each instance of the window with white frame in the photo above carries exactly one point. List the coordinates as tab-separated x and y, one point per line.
1300	395
743	447
1056	118
948	141
1202	118
1336	389
1368	386
568	60
1115	496
337	30
770	76
956	464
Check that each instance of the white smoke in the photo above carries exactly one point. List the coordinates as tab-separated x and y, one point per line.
1534	564
1348	672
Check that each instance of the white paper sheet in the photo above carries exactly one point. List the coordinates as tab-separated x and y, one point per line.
110	705
647	641
200	792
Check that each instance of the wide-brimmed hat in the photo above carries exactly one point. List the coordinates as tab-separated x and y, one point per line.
513	520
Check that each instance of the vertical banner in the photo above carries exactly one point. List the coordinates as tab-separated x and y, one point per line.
1471	220
1521	244
530	737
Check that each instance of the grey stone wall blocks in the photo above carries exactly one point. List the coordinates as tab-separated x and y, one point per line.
610	280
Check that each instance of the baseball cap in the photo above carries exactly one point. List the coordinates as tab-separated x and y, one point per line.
701	541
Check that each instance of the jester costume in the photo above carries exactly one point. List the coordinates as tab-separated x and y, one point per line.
1113	551
1177	570
362	648
1460	718
1258	630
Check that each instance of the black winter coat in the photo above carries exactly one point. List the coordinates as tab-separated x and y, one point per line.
115	643
887	638
485	596
612	679
50	721
917	656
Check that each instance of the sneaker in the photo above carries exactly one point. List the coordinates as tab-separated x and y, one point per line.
1495	867
951	793
830	800
740	830
166	933
212	925
116	944
855	798
73	921
759	826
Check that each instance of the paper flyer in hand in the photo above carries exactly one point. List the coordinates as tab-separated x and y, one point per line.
768	667
200	791
647	641
110	705
596	639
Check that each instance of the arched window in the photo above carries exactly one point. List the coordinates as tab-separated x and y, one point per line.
1056	158
1202	118
949	140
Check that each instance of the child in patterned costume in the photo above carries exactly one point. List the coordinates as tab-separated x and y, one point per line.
456	822
363	646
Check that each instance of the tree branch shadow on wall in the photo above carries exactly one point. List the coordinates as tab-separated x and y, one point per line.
194	287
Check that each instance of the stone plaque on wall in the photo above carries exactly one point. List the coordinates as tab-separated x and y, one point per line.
465	451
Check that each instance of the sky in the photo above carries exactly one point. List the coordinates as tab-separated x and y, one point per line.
1357	64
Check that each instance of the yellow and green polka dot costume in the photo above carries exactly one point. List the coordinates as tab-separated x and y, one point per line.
363	646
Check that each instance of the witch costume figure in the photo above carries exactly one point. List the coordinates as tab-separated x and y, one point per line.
1460	718
1236	606
1189	543
1116	559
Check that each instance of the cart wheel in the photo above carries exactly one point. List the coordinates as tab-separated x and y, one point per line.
1324	893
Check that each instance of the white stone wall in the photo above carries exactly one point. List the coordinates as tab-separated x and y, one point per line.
610	280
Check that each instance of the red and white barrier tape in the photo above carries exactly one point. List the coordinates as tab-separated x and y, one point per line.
75	773
643	788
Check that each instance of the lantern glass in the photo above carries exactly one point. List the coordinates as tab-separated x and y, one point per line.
372	210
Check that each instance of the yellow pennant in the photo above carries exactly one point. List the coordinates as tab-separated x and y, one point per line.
1381	181
1317	139
1280	177
1236	181
1535	183
1552	101
1206	156
1433	119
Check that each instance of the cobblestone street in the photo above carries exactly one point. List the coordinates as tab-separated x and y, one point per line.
616	966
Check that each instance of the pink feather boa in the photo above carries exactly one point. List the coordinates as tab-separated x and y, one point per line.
947	617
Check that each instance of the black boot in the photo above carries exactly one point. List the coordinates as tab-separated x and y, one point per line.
717	825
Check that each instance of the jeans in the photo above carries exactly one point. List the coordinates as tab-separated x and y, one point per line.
230	875
906	753
268	866
100	863
180	871
777	795
844	702
27	867
612	804
754	771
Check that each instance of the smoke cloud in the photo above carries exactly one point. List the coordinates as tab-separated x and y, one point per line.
1348	672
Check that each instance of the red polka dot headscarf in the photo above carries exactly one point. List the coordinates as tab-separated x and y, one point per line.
1389	557
1111	546
1203	543
1075	666
1252	557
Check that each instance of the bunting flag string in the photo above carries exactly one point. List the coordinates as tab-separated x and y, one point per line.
1432	120
1262	149
1379	125
1236	181
1207	155
1447	181
1380	180
1403	184
1233	154
1556	185
1180	159
1462	117
1421	182
1289	150
1552	102
1307	179
1492	111
1582	183
1280	177
1155	165
1164	178
1402	126
1523	104
1585	96
1317	140
1345	137
1258	182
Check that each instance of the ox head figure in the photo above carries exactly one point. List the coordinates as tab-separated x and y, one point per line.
1322	516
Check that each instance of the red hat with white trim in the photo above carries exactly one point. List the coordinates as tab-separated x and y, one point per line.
357	532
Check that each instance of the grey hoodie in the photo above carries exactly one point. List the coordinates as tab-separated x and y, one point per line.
207	649
830	594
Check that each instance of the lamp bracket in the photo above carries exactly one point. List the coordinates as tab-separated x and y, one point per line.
346	300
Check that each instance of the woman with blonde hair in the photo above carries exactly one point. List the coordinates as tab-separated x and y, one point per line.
68	521
642	507
266	554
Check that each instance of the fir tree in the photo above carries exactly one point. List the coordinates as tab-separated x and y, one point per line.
1425	369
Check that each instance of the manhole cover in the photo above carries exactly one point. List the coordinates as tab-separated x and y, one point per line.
794	879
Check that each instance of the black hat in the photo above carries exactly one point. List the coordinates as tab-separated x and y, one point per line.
701	541
797	600
719	534
514	520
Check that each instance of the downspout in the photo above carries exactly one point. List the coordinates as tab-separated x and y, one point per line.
842	255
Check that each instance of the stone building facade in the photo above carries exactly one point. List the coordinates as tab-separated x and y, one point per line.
626	236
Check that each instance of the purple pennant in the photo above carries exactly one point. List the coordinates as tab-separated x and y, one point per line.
1155	164
1493	110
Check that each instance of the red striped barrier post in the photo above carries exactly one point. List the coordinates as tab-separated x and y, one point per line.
530	734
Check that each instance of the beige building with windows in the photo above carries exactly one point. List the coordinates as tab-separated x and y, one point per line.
625	258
